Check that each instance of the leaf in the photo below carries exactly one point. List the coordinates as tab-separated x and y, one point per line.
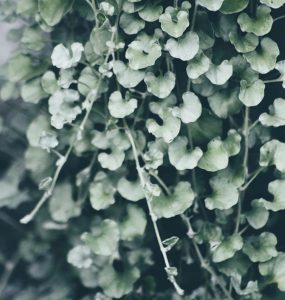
33	39
180	157
185	47
80	257
211	5
151	12
227	248
276	115
251	94
131	24
272	153
273	3
104	239
232	142
215	158
99	38
260	248
160	86
49	82
130	190
175	204
220	74
225	194
174	21
258	216
37	126
243	43
112	161
61	205
170	243
260	24
119	107
143	51
53	13
48	140
274	270
117	284
62	58
127	77
264	59
134	223
225	102
190	110
233	6
32	91
199	65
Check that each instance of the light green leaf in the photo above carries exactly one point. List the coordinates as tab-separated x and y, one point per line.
211	5
143	51
220	74
61	205
37	126
52	12
174	21
243	43
104	239
49	82
119	107
215	158
48	140
258	216
273	3
190	110
260	24
185	47
168	206
251	94
131	7
260	248
131	24
32	91
130	190
272	153
113	160
232	142
276	115
134	223
62	58
127	77
117	284
225	194
160	86
98	38
207	232
151	12
180	157
233	6
225	102
199	65
263	60
227	248
80	257
33	39
274	269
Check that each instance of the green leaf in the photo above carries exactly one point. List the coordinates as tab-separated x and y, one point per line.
190	110
143	51
274	269
61	205
211	5
33	39
49	82
260	248
160	86
32	91
52	12
251	94
80	257
174	21
276	115
263	60
258	216
37	126
170	243
119	107
134	223
130	190
48	140
273	3
232	142
180	157
272	153
220	74
104	239
151	12
131	24
168	206
199	65
225	102
227	248
207	232
185	47
63	58
243	43
127	77
215	158
113	160
260	24
117	284
233	6
98	38
225	194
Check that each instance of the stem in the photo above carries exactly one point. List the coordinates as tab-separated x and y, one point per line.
279	79
159	180
279	18
152	215
194	15
238	213
246	136
253	125
255	174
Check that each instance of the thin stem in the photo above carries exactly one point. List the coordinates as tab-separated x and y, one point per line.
279	79
253	125
152	215
238	213
255	174
194	15
246	138
279	18
159	180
